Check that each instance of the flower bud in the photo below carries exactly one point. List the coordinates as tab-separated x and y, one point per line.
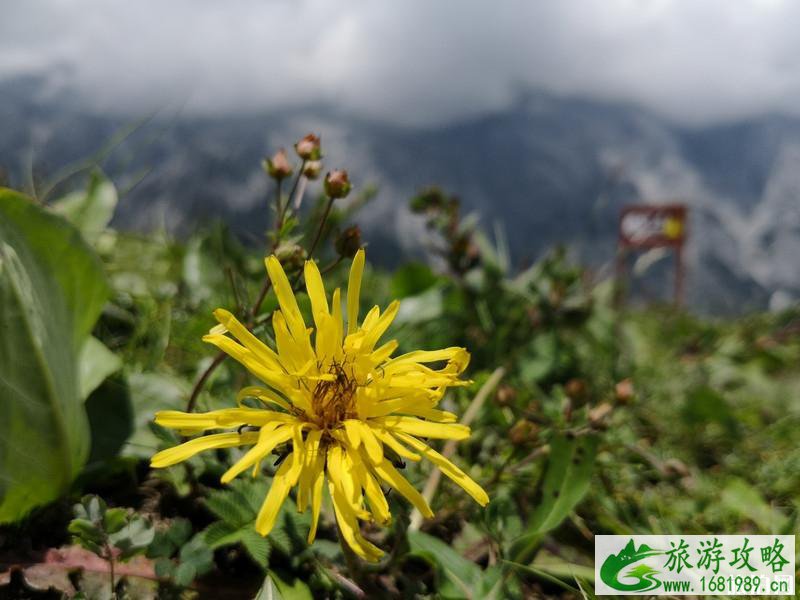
278	166
337	184
291	256
624	391
308	148
505	395
312	169
575	388
523	432
349	242
599	414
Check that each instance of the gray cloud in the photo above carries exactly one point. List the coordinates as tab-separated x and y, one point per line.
412	61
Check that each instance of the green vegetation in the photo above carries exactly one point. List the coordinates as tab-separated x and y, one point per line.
586	419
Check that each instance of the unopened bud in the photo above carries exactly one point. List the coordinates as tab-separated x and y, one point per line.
337	184
278	166
308	148
505	395
575	388
523	432
624	391
349	242
312	169
291	256
598	415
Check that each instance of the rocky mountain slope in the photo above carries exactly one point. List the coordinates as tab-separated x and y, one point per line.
547	170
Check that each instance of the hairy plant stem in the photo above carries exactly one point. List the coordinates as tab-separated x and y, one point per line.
110	559
322	222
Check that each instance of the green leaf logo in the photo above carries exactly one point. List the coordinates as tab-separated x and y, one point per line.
615	564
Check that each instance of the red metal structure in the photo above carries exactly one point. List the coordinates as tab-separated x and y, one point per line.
648	226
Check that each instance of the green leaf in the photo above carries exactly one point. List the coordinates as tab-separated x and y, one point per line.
566	481
221	533
167	541
164	567
179	531
151	392
463	574
115	519
257	546
87	533
95	363
134	538
184	574
52	289
91	210
411	279
197	553
110	418
230	506
276	587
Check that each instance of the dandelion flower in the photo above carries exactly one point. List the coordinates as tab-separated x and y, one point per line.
338	400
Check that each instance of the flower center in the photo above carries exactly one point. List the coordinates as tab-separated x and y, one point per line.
334	401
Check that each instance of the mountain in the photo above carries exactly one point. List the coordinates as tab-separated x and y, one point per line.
547	170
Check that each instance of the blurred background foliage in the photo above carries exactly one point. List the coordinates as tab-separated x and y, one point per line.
587	417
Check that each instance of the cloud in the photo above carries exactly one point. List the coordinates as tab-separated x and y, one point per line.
413	61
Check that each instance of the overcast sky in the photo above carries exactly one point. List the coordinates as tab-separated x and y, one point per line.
414	61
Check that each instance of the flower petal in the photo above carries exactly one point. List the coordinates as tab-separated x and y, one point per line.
448	468
185	451
389	474
268	438
286	299
354	291
429	429
281	484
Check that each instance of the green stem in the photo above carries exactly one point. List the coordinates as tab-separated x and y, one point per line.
321	227
278	213
110	558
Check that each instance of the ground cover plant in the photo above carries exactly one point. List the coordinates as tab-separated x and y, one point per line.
553	413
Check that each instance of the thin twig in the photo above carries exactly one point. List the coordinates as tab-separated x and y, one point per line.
331	266
198	386
321	227
472	411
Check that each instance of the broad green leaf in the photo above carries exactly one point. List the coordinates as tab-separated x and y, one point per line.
463	574
52	289
90	210
110	418
566	481
151	392
95	363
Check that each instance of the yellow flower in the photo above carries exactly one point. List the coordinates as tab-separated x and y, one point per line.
338	400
